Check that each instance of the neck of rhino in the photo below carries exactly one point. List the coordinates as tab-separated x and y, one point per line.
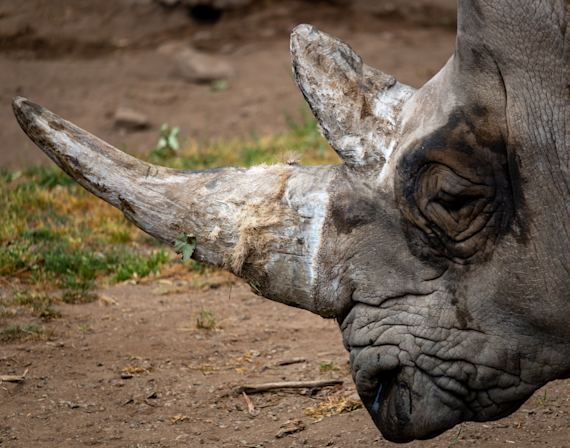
262	223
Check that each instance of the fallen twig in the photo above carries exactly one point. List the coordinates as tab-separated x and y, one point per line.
250	406
19	271
105	300
290	427
287	362
287	385
11	378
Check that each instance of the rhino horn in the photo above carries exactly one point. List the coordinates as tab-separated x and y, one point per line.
262	223
357	106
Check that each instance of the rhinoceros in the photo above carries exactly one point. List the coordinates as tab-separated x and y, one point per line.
441	245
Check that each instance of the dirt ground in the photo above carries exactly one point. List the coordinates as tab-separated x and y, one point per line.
83	59
74	395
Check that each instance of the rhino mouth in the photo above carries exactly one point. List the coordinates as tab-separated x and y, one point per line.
391	405
389	402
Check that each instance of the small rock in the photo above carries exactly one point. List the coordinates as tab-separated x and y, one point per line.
99	364
130	119
354	397
126	376
197	67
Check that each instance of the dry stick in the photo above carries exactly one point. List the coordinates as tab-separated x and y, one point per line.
7	266
287	385
287	362
19	271
13	378
250	406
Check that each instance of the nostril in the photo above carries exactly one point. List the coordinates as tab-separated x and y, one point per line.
376	403
378	389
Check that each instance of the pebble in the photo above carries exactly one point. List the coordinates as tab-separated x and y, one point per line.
126	376
130	119
198	67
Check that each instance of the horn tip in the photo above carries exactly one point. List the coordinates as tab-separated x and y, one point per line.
25	110
304	34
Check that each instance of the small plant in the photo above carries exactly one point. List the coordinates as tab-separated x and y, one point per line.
456	437
328	366
185	244
542	401
40	305
16	332
167	143
220	85
206	320
84	329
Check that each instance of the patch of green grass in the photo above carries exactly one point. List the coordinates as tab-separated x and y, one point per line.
456	437
542	400
40	305
129	264
17	333
205	319
328	366
303	137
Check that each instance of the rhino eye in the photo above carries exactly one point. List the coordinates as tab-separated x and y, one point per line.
455	213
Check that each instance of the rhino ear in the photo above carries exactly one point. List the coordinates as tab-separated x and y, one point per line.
357	106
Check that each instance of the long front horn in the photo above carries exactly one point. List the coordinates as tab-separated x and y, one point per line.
262	223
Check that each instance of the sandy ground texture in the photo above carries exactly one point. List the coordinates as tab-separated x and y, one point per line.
184	379
84	59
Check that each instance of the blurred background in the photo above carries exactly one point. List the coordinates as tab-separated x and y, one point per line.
218	69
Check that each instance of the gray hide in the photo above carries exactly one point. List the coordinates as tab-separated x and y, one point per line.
441	246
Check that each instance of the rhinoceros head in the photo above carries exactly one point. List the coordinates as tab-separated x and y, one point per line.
440	246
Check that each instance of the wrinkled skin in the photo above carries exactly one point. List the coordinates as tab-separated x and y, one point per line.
456	263
440	246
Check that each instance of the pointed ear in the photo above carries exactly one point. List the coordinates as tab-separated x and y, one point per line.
357	106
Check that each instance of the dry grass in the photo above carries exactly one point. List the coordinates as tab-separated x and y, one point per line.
254	220
333	406
131	370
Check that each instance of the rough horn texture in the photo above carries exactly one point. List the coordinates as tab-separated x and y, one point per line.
441	247
261	223
357	106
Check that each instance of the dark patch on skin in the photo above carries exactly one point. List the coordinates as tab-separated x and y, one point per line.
473	152
480	111
349	212
463	316
516	183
